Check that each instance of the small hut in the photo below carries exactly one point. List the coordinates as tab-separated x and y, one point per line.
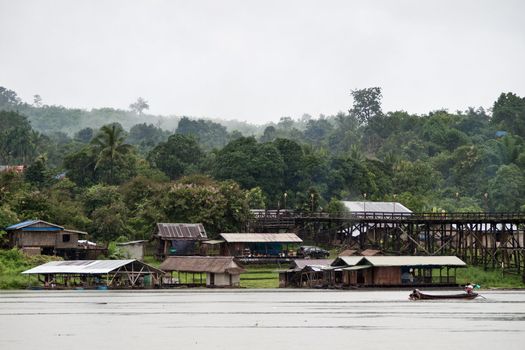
220	271
305	273
178	239
133	249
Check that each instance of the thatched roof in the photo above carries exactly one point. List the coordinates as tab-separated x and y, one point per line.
213	264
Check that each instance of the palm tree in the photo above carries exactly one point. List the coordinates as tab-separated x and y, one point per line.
110	147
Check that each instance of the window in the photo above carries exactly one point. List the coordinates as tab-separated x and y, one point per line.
66	238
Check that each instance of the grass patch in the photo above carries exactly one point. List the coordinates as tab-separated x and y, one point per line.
13	262
488	278
260	277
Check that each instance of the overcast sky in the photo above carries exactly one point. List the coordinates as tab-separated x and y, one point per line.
261	60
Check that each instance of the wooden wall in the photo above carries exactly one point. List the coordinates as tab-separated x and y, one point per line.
388	275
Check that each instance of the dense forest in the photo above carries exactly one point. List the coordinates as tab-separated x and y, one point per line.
114	173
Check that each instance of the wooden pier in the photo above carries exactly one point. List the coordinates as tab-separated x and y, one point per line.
491	240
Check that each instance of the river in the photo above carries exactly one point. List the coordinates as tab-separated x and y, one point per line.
257	319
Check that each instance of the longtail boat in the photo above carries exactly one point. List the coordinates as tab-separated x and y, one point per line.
418	295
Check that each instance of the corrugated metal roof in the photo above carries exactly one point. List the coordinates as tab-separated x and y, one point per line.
75	231
301	263
261	237
414	261
213	264
347	260
358	267
181	231
79	266
26	225
376	207
213	241
131	242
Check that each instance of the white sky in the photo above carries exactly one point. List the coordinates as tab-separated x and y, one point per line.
261	60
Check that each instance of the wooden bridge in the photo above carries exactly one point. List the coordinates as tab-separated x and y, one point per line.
485	239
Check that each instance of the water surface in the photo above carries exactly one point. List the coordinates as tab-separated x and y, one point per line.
250	319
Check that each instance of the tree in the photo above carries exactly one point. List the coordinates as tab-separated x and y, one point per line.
85	135
17	139
317	130
139	106
255	198
80	167
110	148
178	156
508	112
251	164
209	134
37	101
8	99
219	206
367	104
507	189
38	173
146	136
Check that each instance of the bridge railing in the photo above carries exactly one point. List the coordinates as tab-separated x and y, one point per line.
474	216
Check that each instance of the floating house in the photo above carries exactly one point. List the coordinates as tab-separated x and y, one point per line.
178	239
377	271
259	245
36	237
99	274
305	273
220	271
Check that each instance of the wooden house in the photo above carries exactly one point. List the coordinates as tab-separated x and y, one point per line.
178	239
220	271
255	245
396	271
41	237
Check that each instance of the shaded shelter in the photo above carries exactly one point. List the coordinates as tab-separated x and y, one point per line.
259	244
97	273
220	271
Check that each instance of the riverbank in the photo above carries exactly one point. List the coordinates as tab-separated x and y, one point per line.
13	262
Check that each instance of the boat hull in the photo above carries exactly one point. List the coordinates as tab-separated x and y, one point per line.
418	295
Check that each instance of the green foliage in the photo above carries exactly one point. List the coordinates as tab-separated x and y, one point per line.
367	104
507	189
255	198
13	262
112	154
178	156
489	278
17	139
220	206
209	134
508	113
251	164
336	207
